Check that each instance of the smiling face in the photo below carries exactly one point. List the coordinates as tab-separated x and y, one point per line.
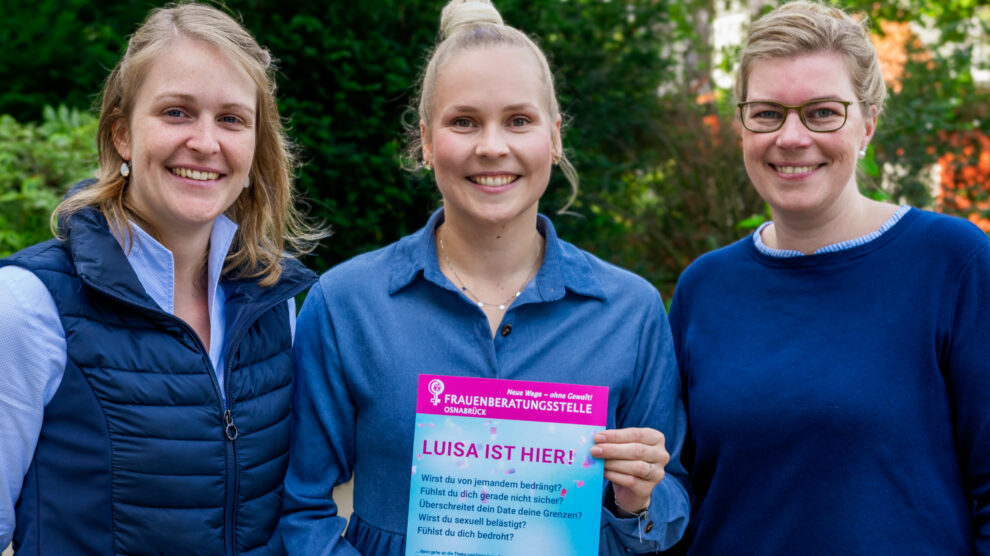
491	140
800	173
190	139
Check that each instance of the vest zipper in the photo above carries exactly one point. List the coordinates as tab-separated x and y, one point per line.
230	431
227	418
229	427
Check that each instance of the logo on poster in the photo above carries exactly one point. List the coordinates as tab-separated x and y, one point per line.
436	388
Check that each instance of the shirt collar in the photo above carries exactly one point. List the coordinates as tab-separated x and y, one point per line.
831	248
564	266
155	267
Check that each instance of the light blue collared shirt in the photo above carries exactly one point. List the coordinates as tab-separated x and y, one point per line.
33	348
373	323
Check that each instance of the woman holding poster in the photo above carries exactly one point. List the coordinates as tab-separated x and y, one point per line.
485	290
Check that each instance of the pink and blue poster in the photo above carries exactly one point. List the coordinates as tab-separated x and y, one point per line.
504	467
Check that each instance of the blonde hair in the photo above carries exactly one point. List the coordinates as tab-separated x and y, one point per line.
268	223
467	24
802	27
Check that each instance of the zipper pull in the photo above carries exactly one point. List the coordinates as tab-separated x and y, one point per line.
230	429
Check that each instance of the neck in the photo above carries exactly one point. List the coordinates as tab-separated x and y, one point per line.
189	255
498	252
490	267
845	220
190	289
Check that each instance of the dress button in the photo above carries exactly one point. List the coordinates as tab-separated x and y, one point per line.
506	330
648	528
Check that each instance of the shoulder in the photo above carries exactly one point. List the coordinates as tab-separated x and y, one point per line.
615	282
361	278
718	261
47	255
946	246
20	286
294	273
26	304
361	271
944	232
706	278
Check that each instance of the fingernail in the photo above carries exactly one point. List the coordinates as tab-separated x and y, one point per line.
600	437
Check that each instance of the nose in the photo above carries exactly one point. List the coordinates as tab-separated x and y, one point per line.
491	142
203	137
793	134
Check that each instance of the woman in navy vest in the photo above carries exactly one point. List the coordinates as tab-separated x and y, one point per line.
486	289
146	353
836	362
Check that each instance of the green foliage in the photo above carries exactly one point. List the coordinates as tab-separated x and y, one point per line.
37	164
351	73
346	75
691	199
662	178
60	51
683	190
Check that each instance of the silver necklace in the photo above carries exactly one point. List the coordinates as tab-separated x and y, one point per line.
460	283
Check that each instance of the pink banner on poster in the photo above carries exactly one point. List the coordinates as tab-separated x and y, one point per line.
546	402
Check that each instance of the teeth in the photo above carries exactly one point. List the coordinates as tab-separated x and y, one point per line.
794	169
195	174
493	181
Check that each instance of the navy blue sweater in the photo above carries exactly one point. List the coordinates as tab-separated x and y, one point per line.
839	403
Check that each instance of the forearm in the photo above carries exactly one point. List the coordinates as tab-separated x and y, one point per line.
32	360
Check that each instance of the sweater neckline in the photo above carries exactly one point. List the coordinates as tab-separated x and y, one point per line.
828	257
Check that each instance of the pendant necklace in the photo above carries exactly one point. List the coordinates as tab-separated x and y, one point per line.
460	283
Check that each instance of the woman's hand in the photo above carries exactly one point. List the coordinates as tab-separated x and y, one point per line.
634	463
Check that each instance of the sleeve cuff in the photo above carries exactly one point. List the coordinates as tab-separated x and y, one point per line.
658	527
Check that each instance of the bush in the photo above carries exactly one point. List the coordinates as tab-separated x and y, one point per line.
696	198
38	163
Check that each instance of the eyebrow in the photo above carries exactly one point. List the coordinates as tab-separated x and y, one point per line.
192	99
817	99
522	106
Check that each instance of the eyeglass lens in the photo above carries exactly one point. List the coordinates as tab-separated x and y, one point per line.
824	115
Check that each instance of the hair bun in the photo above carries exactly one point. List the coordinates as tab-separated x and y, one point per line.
460	14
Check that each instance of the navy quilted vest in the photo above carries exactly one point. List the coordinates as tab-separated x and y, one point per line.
134	455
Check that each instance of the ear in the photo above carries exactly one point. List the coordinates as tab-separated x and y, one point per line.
557	150
871	127
121	141
424	140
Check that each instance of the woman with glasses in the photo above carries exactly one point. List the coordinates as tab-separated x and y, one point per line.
836	363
